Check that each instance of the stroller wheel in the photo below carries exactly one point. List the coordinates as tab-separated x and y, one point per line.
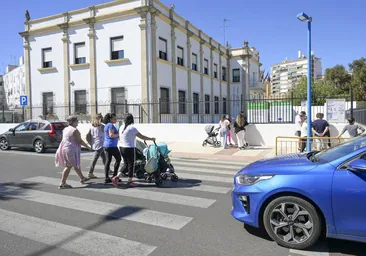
218	144
164	176
174	178
140	174
149	179
204	144
159	182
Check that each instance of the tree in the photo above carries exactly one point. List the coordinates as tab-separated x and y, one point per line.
321	90
358	82
339	77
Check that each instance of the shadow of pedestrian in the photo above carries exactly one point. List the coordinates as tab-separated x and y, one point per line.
113	216
12	190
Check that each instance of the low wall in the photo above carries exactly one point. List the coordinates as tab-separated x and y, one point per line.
257	134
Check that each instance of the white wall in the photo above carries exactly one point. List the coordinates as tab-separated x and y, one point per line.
127	75
14	85
49	81
257	135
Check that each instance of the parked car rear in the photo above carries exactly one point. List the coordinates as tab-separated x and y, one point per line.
37	134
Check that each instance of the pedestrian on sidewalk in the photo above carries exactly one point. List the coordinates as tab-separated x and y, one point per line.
95	138
110	146
320	127
127	147
224	129
69	150
352	129
239	127
304	134
230	131
299	120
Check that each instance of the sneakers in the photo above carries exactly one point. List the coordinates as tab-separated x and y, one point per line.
92	176
115	181
107	180
63	186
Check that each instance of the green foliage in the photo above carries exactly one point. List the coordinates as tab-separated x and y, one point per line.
358	82
339	77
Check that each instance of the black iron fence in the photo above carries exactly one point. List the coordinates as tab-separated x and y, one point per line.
259	110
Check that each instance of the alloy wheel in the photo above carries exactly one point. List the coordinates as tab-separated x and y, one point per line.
38	146
291	223
4	144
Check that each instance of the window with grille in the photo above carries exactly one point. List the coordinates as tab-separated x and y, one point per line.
117	48
215	70
180	54
217	107
80	53
224	106
182	102
163	49
205	67
236	75
80	102
223	73
47	58
194	61
118	102
47	98
195	103
207	104
164	101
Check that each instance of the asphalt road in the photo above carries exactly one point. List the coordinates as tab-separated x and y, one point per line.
191	217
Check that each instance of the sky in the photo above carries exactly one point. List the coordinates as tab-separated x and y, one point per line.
338	27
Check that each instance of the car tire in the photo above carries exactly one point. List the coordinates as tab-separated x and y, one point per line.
38	146
292	222
4	144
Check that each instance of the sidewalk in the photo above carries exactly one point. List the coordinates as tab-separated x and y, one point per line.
197	151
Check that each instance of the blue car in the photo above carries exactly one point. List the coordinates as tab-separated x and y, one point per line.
296	197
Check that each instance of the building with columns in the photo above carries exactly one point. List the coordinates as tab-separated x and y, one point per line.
136	56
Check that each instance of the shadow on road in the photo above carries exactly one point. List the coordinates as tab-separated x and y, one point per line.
113	216
323	245
10	190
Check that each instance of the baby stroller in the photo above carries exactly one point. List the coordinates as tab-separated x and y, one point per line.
212	137
158	166
140	161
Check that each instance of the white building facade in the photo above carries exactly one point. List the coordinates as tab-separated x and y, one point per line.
286	75
14	84
136	56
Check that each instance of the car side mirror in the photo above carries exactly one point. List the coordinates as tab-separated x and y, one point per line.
357	165
11	130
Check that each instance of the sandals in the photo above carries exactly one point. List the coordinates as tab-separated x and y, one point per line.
84	180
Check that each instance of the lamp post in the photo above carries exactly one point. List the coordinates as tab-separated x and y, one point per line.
305	18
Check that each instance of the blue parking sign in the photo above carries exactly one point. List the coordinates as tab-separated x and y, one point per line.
24	100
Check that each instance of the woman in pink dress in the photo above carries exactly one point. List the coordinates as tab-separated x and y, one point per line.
68	153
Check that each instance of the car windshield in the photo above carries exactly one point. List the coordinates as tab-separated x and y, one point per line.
340	150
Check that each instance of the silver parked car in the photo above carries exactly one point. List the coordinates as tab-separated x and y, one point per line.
37	134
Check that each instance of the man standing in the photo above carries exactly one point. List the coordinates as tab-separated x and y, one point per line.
299	120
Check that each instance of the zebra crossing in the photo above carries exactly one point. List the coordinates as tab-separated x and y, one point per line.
175	205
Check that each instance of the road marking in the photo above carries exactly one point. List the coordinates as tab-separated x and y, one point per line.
294	252
134	193
145	216
73	239
179	168
183	185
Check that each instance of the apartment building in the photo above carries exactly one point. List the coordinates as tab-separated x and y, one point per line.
129	52
287	74
14	84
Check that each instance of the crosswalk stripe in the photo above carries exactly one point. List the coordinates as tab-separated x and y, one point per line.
145	216
226	166
294	252
73	239
178	184
178	168
210	161
134	193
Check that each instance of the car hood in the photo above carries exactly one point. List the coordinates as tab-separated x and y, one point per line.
285	164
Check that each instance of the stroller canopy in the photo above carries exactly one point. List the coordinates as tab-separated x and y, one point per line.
209	129
140	145
153	151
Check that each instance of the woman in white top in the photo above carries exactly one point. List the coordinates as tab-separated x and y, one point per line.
224	130
127	139
304	134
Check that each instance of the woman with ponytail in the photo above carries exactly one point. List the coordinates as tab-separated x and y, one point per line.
110	145
127	141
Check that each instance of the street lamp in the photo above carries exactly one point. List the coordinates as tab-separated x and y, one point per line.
305	18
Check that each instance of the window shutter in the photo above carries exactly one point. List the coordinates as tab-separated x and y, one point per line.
180	53
162	45
47	55
80	51
117	44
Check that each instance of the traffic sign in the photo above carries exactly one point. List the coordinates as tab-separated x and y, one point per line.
24	100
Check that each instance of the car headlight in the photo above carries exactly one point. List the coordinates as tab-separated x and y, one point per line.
251	179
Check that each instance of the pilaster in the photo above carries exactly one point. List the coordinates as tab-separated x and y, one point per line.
228	89
220	83
155	107
202	91
174	66
28	81
189	74
212	80
93	95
